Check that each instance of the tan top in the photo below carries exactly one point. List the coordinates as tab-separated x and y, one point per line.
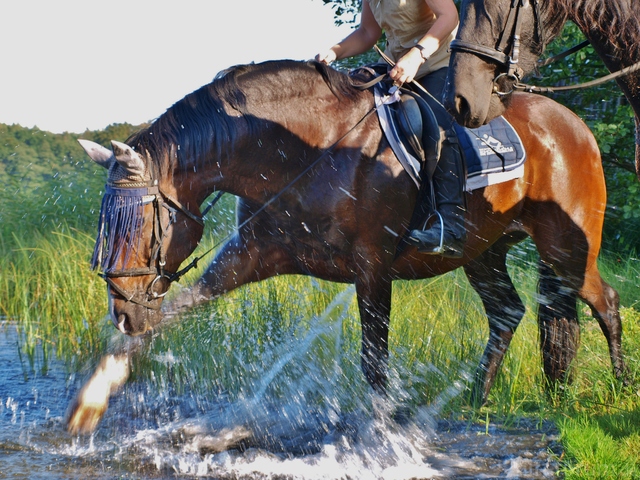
405	22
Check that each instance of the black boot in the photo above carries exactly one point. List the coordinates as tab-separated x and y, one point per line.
448	183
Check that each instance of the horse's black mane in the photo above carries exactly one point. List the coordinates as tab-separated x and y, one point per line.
193	126
617	21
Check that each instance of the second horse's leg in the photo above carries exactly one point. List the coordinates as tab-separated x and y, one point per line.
489	277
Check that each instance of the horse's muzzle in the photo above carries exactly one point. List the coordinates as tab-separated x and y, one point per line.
132	319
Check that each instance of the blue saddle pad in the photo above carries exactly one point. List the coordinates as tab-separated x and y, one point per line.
493	153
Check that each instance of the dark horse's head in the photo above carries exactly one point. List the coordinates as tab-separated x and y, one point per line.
146	230
498	41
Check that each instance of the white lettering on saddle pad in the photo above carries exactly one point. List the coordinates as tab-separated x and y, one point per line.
493	146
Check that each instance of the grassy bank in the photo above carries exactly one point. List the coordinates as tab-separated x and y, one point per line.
438	333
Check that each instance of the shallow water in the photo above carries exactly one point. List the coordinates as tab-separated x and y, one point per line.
149	433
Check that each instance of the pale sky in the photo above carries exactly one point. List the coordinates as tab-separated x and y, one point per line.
69	65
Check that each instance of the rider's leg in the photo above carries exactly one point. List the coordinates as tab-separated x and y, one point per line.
448	183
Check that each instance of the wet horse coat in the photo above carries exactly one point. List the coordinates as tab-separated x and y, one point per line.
321	193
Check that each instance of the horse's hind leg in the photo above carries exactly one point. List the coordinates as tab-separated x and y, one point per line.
488	275
557	315
558	325
605	303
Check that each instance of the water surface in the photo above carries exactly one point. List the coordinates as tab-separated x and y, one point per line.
155	433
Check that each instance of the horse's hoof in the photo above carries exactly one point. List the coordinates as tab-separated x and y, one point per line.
83	419
89	406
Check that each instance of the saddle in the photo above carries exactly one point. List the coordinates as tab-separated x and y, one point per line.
411	128
416	124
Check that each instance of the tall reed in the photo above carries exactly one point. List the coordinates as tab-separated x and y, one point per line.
48	289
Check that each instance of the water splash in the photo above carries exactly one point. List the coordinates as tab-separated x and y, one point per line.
314	424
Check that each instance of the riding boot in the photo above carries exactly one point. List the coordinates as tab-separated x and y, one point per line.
448	184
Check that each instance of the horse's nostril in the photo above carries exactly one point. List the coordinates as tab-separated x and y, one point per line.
123	323
461	107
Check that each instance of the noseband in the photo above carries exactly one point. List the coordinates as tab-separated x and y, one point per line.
510	36
140	196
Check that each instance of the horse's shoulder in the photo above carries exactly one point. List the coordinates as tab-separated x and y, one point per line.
542	110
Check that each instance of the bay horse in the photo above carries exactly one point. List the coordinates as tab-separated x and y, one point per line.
321	193
486	62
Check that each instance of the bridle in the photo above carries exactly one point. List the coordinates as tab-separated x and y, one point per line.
150	193
510	62
510	36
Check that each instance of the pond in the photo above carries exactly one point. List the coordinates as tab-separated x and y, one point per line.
151	432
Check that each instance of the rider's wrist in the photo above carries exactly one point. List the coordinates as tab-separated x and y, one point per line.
422	52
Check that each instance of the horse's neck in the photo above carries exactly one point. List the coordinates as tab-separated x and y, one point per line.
629	84
610	55
261	160
614	57
289	138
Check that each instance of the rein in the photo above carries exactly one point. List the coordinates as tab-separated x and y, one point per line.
592	83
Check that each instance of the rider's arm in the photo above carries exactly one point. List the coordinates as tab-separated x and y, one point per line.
359	41
446	21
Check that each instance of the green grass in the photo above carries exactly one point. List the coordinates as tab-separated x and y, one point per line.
307	332
47	287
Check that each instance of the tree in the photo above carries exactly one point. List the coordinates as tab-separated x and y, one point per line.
345	11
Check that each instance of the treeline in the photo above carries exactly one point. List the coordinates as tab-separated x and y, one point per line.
47	180
32	157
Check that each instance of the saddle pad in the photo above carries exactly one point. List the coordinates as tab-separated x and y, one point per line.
493	153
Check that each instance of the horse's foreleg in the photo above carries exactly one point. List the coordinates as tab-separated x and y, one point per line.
489	277
558	324
91	402
374	304
237	263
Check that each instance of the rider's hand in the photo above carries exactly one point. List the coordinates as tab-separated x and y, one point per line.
406	68
328	57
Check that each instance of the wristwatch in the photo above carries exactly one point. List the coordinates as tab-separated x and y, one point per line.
421	50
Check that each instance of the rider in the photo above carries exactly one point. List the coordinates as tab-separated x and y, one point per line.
418	33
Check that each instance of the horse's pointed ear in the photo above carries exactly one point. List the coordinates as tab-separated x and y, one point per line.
128	158
99	154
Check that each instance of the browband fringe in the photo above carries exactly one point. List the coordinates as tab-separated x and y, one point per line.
119	227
